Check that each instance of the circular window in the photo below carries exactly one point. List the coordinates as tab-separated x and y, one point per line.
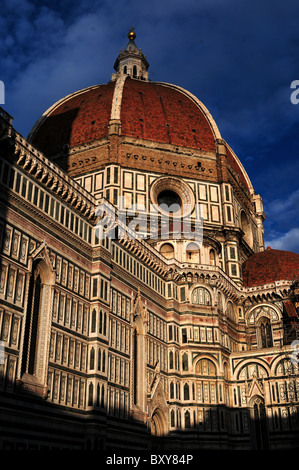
169	201
172	196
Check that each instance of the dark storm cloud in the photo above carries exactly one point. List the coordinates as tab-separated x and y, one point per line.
238	57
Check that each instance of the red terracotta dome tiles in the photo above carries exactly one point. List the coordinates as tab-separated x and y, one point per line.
270	266
159	113
82	118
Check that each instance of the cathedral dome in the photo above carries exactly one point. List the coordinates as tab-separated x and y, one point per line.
269	266
152	111
139	111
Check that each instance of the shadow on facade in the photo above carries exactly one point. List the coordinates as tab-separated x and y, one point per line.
31	423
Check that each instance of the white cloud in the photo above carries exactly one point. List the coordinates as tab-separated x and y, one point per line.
287	242
280	206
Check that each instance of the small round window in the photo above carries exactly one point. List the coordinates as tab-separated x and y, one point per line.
171	195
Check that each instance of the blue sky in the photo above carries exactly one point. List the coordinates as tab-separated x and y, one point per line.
238	57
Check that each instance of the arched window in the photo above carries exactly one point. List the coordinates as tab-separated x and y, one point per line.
38	321
104	362
98	394
212	257
90	394
103	397
187	420
264	333
260	437
246	228
93	321
171	360
171	390
186	392
101	323
167	250
99	359
134	71
205	367
104	324
172	423
185	362
91	359
201	296
192	253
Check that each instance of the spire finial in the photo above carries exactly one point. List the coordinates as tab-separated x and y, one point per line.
131	34
131	61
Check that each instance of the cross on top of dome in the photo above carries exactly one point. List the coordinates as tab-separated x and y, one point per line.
132	61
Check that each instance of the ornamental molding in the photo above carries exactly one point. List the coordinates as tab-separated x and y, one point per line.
53	178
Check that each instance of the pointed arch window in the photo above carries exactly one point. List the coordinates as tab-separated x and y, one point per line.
171	390
91	359
105	324
101	323
185	362
104	362
103	397
187	420
99	359
186	392
171	360
93	321
172	423
264	333
38	321
98	394
90	394
259	426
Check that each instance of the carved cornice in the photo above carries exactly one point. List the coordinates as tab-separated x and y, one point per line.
53	178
